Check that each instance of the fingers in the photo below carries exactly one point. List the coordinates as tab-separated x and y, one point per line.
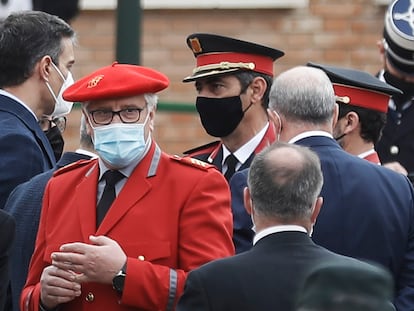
58	286
100	240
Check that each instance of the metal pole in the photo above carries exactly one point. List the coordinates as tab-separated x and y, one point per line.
128	36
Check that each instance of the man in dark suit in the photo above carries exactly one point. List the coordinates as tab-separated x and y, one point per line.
283	199
25	204
36	55
368	209
7	231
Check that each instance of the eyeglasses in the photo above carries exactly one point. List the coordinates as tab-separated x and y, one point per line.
105	117
46	123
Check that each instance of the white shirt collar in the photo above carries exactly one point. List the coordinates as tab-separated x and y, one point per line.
5	93
244	152
275	229
309	134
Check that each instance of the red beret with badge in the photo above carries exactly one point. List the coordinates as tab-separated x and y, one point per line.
116	81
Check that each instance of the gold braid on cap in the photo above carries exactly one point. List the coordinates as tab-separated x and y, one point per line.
224	66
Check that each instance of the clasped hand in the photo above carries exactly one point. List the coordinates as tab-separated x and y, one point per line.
76	263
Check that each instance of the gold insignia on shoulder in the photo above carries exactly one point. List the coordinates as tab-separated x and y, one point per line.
192	162
198	162
94	81
195	45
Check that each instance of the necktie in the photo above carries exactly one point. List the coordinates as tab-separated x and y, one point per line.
108	196
231	162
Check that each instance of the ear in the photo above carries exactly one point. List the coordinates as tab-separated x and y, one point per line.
276	120
248	204
152	118
89	129
45	64
381	47
258	86
335	115
352	122
316	209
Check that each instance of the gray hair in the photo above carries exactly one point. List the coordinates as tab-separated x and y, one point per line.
85	138
151	100
285	188
303	94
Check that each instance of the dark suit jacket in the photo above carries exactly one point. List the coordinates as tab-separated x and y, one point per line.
268	277
25	150
25	204
7	231
242	222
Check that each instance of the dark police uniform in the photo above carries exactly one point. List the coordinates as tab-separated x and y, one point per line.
397	142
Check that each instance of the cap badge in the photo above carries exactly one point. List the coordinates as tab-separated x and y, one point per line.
343	99
94	81
195	45
403	17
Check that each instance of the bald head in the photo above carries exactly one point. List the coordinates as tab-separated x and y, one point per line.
303	94
284	182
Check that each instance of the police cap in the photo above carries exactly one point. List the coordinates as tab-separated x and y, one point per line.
399	35
358	88
216	55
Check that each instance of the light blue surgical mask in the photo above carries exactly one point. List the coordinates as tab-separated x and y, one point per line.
120	144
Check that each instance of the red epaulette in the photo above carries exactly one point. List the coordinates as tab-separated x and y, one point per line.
207	148
192	162
71	167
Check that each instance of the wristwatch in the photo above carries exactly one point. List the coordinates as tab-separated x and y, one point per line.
119	280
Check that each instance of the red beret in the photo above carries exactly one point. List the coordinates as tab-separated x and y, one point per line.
117	80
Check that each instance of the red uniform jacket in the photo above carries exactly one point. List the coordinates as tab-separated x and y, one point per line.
172	215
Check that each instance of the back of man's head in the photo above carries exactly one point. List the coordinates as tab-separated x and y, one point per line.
25	38
284	182
347	286
304	95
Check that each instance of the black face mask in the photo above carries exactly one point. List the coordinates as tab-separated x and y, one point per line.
220	116
406	87
56	141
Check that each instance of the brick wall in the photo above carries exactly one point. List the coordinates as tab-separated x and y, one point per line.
327	31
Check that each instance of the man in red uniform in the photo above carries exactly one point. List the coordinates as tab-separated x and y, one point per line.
170	214
233	79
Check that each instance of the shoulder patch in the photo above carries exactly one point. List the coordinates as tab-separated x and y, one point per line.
71	167
192	162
